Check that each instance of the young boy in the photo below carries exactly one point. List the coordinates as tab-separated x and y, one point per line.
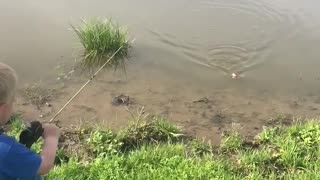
16	160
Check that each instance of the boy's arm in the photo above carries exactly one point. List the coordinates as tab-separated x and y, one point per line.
48	153
19	161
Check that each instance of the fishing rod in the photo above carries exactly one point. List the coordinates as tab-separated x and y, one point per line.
34	132
89	80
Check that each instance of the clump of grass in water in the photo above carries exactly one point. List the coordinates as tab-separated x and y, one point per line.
101	39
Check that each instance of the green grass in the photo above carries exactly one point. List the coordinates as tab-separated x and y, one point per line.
149	162
155	149
101	38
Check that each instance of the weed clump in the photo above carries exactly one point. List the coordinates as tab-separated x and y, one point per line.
200	148
231	142
102	142
101	38
156	130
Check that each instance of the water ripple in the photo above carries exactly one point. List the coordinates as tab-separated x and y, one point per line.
239	55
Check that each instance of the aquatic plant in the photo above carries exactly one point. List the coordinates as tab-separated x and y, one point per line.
101	38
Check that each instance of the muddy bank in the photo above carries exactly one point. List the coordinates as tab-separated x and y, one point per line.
205	114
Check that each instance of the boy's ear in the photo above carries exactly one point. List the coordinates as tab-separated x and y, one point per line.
4	113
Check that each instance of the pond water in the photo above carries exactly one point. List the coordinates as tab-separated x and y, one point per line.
184	51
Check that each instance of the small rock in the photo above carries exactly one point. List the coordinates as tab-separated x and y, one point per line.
202	100
72	71
48	104
41	115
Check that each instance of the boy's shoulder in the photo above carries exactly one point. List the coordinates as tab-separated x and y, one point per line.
16	160
9	146
6	142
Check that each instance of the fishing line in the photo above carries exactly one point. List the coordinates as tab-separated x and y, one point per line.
91	78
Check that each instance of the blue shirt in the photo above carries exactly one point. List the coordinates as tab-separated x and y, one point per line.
17	162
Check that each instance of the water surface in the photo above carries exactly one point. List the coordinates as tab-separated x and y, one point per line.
184	50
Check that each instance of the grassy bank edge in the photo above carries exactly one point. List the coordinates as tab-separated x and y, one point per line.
155	149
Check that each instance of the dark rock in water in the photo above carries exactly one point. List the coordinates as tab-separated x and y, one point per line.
313	108
120	100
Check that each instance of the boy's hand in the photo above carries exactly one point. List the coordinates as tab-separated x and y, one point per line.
50	130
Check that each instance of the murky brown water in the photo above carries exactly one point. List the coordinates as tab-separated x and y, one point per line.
184	50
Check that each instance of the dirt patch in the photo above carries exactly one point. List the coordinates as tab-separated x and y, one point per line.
285	119
38	95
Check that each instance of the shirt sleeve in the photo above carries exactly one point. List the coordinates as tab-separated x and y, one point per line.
21	162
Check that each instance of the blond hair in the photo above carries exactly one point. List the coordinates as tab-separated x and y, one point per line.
8	83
